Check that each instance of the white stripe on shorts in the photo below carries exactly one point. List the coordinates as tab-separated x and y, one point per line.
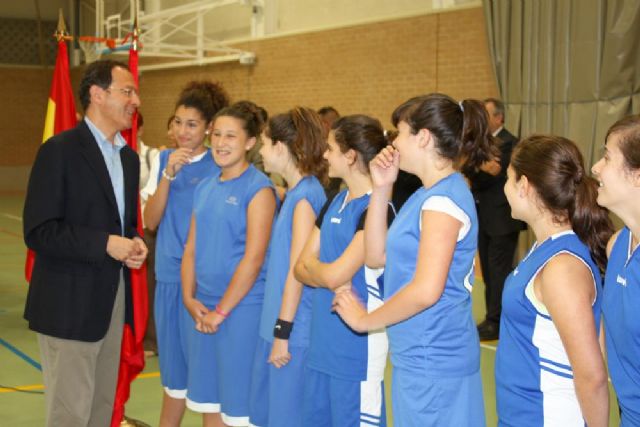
370	403
203	408
176	394
235	421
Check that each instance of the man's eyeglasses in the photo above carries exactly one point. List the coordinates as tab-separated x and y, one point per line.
128	92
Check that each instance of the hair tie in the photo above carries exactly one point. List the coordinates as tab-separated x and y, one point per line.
460	105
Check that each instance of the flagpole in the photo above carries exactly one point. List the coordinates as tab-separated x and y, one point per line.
61	110
132	351
61	32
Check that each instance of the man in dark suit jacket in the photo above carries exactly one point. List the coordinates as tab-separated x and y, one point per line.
80	218
498	232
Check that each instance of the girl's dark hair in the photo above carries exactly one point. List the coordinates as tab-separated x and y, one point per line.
555	168
300	129
205	96
252	116
629	131
461	129
360	133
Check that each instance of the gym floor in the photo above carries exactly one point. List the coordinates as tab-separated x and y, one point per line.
21	389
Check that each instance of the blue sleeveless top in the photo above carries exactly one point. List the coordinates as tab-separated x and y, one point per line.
442	340
174	225
220	210
309	189
534	379
621	309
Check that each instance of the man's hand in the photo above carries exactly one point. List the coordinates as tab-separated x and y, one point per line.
492	167
120	248
139	255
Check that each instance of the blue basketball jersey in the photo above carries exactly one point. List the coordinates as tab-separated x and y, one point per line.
335	349
174	225
621	310
309	189
220	210
440	341
534	379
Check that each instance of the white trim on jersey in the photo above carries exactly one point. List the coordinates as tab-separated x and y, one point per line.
469	278
531	295
563	409
559	401
446	205
377	342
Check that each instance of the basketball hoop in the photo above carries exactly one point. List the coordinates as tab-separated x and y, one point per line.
92	50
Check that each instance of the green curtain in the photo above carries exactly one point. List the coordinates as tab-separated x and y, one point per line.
567	67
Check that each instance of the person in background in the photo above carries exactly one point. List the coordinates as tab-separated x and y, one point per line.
618	173
149	159
329	115
146	153
253	156
170	136
147	156
498	232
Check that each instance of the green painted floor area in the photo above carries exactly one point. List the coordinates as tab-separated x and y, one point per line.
19	351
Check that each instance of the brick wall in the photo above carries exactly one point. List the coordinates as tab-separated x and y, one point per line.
362	69
23	93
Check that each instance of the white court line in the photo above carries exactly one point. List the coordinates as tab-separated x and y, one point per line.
13	217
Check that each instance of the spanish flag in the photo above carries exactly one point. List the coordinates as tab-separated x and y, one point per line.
61	115
132	352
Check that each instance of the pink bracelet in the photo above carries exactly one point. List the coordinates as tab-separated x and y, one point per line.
221	313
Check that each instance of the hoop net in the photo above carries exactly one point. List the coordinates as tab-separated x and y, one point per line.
92	50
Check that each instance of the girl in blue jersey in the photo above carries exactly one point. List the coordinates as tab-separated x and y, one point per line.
343	381
169	195
293	146
223	271
619	175
549	366
428	257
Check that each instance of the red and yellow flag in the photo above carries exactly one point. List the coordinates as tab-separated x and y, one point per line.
61	115
132	352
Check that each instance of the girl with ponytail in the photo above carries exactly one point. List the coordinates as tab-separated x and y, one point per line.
169	194
549	367
428	256
619	175
292	146
223	270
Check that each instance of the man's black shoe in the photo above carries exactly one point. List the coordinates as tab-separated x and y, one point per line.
488	331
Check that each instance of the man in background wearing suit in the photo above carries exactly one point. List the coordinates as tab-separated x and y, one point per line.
80	218
498	232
